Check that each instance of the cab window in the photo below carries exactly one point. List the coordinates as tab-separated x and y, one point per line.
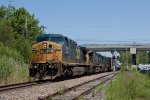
41	39
67	42
58	40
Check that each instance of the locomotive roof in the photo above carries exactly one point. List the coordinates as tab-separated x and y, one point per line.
54	35
51	35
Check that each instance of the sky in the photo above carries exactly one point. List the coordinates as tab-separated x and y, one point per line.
92	21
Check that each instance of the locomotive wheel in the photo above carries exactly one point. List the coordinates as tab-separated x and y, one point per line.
105	69
66	73
94	70
70	72
40	76
99	70
54	71
87	70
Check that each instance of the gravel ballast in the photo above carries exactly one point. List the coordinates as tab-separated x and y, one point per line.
33	92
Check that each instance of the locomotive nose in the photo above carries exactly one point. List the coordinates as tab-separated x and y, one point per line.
45	52
41	52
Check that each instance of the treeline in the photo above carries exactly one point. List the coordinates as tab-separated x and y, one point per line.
12	29
142	57
15	50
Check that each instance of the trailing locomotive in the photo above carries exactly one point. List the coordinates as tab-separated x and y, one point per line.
56	55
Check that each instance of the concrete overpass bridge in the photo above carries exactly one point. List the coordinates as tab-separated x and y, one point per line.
132	47
118	46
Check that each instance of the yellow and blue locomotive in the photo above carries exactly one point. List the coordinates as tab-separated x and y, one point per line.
56	55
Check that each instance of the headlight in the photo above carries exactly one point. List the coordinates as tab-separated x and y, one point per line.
45	45
35	66
34	49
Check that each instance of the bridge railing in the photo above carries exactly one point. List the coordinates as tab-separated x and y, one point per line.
117	44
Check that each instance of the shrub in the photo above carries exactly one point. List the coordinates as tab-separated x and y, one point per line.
11	53
12	71
129	85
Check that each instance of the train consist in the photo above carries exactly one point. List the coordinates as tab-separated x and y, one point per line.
55	55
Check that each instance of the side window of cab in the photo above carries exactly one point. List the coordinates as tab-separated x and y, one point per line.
66	41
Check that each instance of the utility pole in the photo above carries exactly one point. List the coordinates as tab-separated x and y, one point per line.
25	35
43	28
25	27
126	58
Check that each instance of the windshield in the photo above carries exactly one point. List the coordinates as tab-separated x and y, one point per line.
41	39
59	40
55	39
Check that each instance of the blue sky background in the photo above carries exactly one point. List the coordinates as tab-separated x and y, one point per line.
92	21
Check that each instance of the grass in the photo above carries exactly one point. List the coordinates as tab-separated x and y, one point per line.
61	90
10	53
12	67
129	85
12	71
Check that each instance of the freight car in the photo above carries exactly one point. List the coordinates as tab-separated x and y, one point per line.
55	55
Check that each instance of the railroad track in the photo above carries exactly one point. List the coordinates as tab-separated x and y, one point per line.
80	90
20	85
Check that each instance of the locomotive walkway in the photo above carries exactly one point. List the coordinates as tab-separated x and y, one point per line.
118	46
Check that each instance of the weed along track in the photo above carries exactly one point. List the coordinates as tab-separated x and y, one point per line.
21	85
80	90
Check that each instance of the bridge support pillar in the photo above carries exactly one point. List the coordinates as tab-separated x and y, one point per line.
113	61
149	57
133	52
133	59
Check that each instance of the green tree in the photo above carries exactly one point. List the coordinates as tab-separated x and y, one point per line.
7	12
142	57
3	11
6	32
16	18
18	23
125	57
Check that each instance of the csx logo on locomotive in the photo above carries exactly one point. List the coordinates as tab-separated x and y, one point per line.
56	55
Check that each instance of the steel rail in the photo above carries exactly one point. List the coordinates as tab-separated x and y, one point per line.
91	89
20	85
71	88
